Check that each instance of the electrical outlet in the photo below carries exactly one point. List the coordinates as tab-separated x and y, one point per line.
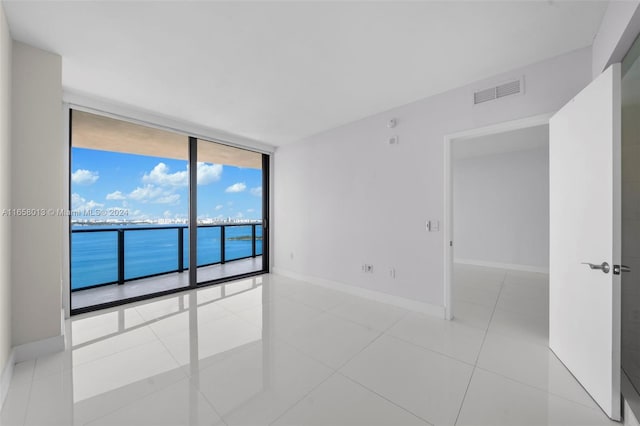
369	269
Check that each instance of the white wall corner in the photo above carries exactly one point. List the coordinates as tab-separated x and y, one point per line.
5	377
33	350
619	28
509	266
401	302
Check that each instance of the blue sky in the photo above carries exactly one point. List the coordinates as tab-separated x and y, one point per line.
153	187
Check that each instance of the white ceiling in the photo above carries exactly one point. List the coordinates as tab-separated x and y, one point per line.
278	72
512	141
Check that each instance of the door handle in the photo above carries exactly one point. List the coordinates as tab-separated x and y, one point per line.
604	267
620	268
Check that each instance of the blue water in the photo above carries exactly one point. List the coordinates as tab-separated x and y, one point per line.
94	255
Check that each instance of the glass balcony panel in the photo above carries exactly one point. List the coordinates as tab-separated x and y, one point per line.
94	258
150	252
208	245
238	242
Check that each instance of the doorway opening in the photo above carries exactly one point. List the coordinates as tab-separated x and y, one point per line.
496	200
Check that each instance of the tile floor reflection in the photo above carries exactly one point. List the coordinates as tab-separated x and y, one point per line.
272	350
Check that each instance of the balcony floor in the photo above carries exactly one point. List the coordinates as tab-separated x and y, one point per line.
145	286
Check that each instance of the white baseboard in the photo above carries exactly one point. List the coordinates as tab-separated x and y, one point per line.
26	352
511	266
5	377
38	348
412	305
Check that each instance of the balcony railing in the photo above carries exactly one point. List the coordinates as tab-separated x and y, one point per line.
117	255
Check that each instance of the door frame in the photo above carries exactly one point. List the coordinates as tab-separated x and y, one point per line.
448	234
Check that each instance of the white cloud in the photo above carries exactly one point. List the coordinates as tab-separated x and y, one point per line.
92	205
167	213
208	173
80	203
160	176
219	207
84	177
154	194
236	187
257	191
116	195
239	215
145	193
167	199
250	210
76	200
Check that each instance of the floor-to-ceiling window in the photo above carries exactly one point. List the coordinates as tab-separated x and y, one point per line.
139	195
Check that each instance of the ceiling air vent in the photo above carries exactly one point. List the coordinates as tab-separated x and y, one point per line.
484	95
500	91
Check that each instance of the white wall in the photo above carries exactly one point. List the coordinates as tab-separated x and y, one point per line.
346	197
37	178
501	208
5	197
619	28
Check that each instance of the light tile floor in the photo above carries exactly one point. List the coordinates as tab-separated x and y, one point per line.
272	350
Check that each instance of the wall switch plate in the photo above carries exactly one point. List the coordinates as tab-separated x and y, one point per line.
393	140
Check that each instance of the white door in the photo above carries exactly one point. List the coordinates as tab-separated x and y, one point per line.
584	303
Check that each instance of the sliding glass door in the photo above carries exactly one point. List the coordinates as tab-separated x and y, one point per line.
140	195
229	211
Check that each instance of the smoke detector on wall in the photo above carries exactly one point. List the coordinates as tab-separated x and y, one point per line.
513	87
